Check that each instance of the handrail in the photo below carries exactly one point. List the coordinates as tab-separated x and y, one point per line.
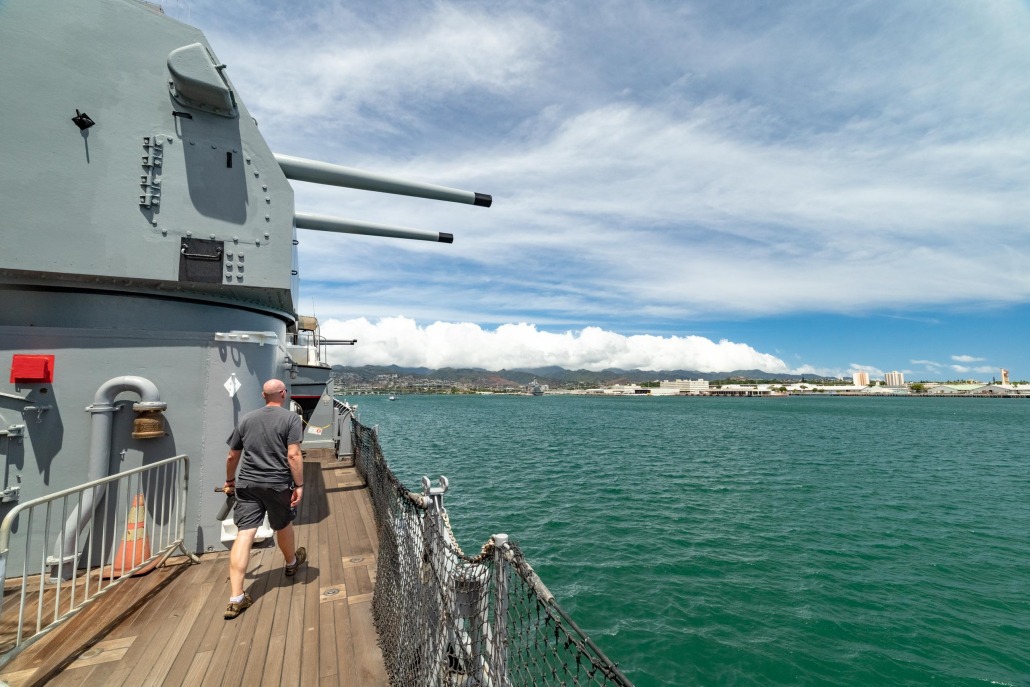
155	498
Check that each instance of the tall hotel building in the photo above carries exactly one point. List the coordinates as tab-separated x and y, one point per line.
860	378
894	379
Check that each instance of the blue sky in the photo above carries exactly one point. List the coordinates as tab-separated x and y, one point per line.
799	186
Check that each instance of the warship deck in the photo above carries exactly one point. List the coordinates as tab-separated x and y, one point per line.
166	628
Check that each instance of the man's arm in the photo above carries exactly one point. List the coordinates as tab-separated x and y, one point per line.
232	461
295	459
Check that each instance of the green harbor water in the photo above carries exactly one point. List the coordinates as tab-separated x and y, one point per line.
789	541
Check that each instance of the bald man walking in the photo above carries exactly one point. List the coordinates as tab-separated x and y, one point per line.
271	480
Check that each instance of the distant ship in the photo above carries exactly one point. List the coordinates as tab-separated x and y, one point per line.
535	389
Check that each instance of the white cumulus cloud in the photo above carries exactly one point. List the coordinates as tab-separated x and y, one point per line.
402	341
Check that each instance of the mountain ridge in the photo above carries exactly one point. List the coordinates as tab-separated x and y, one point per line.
550	375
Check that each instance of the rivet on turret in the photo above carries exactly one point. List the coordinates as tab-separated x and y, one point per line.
248	160
257	243
192	143
257	174
266	234
267	199
189	234
264	187
212	236
214	147
239	277
164	232
154	222
169	138
268	218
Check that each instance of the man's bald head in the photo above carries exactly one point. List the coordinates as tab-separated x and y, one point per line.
274	391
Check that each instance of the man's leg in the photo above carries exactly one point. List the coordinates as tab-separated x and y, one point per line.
239	558
285	539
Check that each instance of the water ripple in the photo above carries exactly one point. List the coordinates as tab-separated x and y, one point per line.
822	541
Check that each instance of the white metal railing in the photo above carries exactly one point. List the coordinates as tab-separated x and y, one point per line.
138	519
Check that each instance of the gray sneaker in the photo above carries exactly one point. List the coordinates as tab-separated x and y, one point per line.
233	610
301	555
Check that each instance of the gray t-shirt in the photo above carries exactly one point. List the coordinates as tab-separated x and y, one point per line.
264	436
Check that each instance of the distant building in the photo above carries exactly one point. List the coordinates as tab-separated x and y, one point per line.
627	390
894	379
954	388
686	386
860	378
742	390
1004	376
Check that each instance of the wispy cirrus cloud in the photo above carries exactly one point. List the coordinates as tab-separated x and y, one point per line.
653	165
979	369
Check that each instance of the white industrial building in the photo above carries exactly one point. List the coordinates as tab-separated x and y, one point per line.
692	387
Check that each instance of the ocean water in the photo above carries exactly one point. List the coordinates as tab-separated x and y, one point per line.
787	541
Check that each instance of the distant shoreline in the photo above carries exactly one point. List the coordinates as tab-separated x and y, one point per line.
845	394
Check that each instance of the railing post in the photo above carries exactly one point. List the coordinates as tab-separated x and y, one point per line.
498	653
434	540
471	609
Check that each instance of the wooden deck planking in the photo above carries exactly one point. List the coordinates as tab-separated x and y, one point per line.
256	665
182	666
330	656
47	657
291	635
312	572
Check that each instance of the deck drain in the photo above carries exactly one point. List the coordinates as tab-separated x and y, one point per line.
332	592
357	559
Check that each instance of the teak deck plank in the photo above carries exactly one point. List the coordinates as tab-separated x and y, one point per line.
290	636
329	655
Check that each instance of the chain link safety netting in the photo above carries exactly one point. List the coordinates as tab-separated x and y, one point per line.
448	619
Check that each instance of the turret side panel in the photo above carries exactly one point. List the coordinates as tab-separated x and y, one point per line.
122	198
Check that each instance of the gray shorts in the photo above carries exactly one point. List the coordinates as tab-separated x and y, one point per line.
254	500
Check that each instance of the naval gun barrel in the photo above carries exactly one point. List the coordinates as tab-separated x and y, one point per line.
316	172
307	220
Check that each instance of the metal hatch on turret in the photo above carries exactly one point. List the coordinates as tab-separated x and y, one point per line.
197	81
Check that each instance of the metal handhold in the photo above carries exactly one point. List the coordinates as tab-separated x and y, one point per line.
82	120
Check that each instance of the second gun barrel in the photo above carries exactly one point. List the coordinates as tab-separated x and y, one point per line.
307	220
